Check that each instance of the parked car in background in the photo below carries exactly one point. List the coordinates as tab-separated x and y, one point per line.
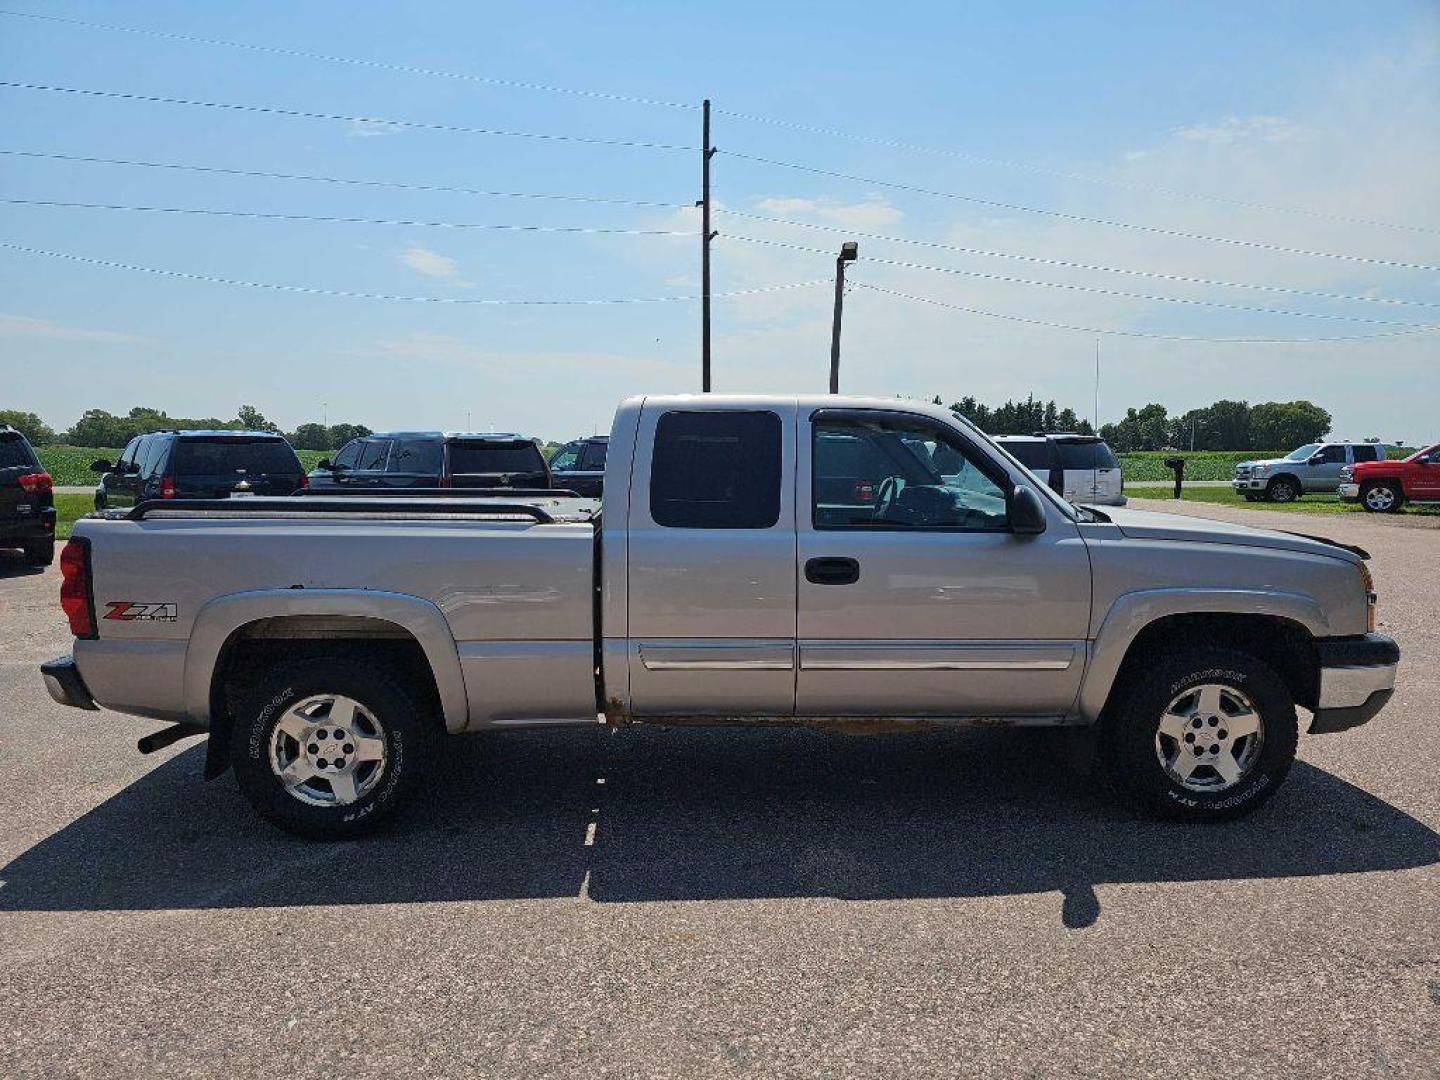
27	500
1308	470
198	465
580	465
388	461
1384	487
1080	468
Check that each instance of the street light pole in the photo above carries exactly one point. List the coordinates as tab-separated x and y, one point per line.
706	153
849	252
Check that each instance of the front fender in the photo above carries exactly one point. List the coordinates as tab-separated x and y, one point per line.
1132	612
221	617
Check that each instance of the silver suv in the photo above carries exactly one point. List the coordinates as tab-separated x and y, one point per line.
1309	470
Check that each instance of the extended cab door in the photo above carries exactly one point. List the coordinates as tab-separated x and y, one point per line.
915	598
711	561
1325	464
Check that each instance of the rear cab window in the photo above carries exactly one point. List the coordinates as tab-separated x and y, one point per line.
475	456
716	470
219	455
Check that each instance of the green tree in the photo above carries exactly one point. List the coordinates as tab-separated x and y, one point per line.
1279	425
311	437
29	425
252	419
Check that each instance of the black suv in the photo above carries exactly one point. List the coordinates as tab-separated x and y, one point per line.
27	500
393	460
580	465
198	465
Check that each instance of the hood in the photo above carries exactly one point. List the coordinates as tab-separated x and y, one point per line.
1254	462
1151	525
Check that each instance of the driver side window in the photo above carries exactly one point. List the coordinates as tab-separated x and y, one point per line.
899	475
349	454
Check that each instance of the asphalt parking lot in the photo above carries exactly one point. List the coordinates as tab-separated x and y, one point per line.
655	903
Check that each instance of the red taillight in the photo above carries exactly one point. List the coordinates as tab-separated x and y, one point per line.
77	596
864	491
304	481
167	487
36	482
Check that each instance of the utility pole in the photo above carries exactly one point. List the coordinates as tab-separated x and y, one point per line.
1097	386
849	252
706	153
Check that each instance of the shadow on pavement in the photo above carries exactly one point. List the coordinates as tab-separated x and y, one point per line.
13	564
705	814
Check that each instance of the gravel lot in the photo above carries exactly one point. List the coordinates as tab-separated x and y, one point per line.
748	903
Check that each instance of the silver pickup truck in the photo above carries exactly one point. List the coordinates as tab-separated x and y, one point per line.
818	560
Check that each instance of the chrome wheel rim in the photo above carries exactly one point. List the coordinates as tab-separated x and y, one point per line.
1282	492
1209	738
328	750
1380	498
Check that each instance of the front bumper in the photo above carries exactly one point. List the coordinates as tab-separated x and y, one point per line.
1357	678
1349	492
1251	483
62	679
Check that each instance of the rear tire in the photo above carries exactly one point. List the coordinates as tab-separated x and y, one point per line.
329	748
1282	490
1202	736
1382	498
40	552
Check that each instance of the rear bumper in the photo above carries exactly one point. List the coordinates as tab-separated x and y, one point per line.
34	526
63	681
1357	678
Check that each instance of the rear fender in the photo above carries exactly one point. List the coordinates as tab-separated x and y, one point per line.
221	617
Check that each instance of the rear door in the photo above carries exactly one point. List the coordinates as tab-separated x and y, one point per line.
219	467
711	562
415	463
919	600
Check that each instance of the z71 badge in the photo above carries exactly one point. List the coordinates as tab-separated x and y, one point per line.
131	611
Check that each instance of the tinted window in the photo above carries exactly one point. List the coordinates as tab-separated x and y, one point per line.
495	456
210	457
349	454
899	476
1035	455
148	455
417	456
127	456
1085	455
1367	453
716	470
373	453
15	453
1332	454
592	458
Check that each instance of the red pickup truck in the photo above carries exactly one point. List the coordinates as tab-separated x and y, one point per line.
1383	487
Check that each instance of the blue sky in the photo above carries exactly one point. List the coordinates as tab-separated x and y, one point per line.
1125	112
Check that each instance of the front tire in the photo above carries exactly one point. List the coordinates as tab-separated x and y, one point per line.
1282	490
1382	498
329	748
1203	736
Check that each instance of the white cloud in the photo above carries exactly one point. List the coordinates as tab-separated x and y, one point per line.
433	265
27	326
1237	129
872	213
369	129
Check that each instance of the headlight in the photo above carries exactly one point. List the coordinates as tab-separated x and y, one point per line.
1259	470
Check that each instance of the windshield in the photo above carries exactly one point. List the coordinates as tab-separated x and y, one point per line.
1302	453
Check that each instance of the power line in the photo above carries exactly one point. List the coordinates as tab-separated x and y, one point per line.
893	144
1136	333
270	110
979	159
404	69
396	184
350	294
1072	265
1152	229
337	220
1093	289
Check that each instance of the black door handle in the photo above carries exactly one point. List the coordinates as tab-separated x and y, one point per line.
832	571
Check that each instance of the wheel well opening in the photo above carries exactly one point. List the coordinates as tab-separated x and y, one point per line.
264	643
1283	644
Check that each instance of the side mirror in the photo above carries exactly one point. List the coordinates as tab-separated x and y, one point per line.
324	463
101	465
1026	511
132	468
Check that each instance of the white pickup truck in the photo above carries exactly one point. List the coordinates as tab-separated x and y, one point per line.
812	560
